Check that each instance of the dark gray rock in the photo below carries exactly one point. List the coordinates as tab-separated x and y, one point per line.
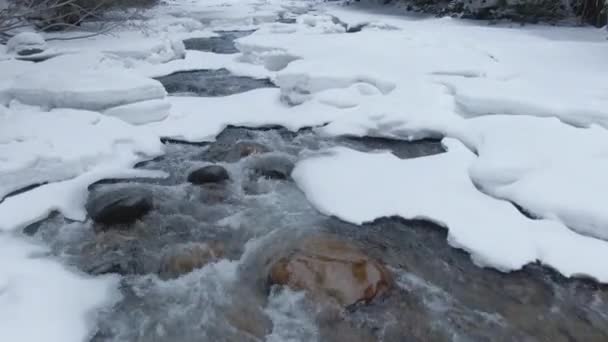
208	174
122	206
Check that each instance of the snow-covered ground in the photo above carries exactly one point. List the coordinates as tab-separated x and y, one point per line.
523	110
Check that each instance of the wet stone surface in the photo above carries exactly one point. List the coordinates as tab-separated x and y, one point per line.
211	83
197	266
223	43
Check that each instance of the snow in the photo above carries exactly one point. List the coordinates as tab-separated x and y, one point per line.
25	41
560	176
199	119
87	89
141	112
40	300
38	146
359	187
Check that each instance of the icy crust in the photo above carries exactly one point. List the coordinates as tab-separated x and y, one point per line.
360	187
38	146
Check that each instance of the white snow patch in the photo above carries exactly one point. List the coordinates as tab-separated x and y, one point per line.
141	112
551	169
87	89
38	146
40	300
203	118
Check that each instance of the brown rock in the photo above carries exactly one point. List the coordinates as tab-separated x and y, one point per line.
327	266
185	258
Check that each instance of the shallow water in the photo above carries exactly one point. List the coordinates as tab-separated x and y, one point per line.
440	295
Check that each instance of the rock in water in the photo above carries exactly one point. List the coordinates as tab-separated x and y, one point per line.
122	206
326	266
208	174
185	258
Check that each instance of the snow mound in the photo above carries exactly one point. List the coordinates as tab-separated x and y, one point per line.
38	147
25	41
88	89
141	112
551	169
360	187
41	292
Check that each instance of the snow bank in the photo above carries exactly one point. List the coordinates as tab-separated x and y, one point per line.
40	300
38	147
360	187
202	118
553	170
88	89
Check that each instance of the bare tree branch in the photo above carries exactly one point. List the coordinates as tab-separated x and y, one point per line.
52	15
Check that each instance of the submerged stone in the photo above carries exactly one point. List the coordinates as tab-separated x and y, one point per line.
328	266
185	258
122	206
209	174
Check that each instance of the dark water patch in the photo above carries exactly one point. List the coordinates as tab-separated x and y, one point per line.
401	148
177	141
210	83
223	44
